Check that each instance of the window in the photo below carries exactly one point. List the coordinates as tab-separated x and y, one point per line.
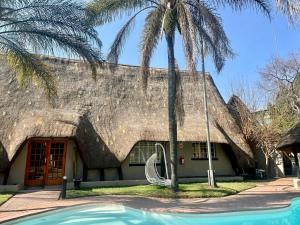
142	151
200	151
45	162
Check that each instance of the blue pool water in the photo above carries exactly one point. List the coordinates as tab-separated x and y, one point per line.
119	215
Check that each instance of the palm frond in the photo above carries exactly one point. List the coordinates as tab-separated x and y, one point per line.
262	5
29	67
188	33
211	32
291	8
46	27
170	21
150	38
118	43
107	10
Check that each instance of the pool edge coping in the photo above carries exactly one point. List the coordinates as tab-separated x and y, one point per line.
47	211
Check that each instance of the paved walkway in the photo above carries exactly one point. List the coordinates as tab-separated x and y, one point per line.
271	194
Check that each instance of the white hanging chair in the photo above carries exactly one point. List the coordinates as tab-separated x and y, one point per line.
151	172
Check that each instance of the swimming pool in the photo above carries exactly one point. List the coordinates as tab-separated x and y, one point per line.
120	215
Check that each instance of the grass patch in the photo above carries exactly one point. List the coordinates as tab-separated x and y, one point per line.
195	190
4	197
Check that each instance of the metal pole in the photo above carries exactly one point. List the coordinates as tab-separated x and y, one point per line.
64	188
211	177
210	171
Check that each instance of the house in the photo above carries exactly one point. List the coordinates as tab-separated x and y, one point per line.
282	162
290	144
105	129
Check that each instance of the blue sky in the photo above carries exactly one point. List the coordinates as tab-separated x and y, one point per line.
254	38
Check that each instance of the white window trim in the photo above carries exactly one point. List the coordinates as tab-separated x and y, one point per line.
141	152
200	150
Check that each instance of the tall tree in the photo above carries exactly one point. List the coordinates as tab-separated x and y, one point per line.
32	27
280	86
193	19
281	80
256	126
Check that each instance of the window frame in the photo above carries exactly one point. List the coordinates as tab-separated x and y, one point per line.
202	150
137	151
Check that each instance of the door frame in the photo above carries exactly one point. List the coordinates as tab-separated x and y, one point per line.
48	142
65	142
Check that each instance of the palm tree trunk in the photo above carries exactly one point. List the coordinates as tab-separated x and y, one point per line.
171	110
211	177
267	161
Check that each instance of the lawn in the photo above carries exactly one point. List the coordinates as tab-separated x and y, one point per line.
4	197
195	190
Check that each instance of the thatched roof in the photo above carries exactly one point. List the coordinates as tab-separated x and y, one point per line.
291	139
236	106
107	117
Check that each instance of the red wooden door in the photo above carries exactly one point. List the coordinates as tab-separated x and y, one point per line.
45	162
56	163
36	163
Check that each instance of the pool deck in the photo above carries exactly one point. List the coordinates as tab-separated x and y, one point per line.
271	194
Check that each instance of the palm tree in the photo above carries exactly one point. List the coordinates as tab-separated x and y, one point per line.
193	19
29	27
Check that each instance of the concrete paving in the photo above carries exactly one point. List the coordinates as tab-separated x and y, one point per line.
266	195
